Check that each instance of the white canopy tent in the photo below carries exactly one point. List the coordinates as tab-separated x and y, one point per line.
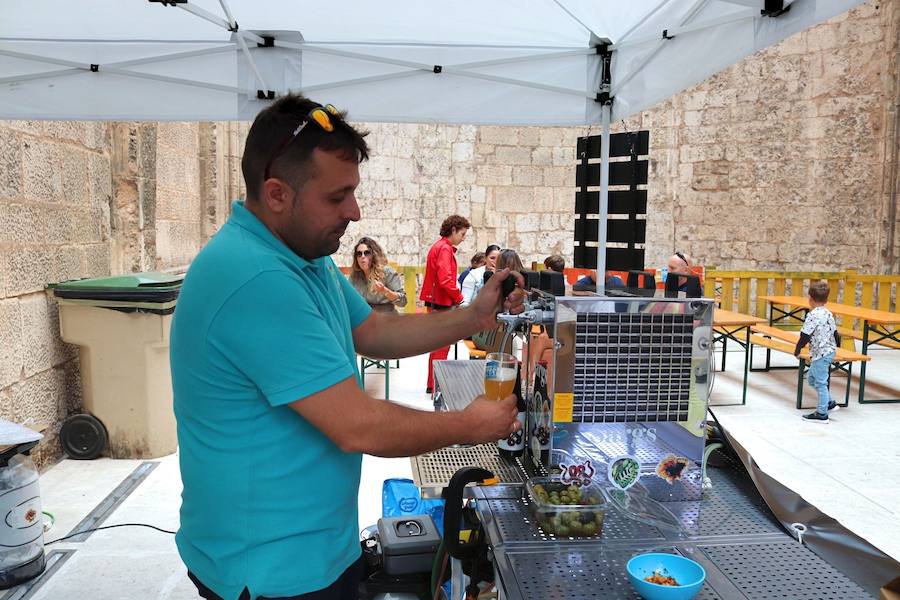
525	62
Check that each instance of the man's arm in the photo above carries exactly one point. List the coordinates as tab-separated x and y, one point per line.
386	335
356	422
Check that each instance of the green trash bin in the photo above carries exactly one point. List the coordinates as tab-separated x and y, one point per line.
121	327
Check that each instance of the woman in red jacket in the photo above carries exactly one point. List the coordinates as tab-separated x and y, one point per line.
440	288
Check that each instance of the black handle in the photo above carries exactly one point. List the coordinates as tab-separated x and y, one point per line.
453	495
506	288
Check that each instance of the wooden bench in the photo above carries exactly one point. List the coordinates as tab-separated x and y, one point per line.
855	334
772	338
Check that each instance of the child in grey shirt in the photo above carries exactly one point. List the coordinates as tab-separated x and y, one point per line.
820	332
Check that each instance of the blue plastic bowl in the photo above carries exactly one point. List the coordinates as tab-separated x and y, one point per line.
689	575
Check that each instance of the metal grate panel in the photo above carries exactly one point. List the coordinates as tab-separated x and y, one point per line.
632	367
434	469
733	509
581	573
513	519
782	570
459	381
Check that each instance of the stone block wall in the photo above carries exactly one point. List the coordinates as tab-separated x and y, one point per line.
514	184
783	161
55	192
87	199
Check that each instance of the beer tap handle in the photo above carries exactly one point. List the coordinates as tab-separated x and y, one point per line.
508	286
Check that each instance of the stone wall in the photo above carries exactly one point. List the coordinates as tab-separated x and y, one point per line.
82	200
54	226
513	184
782	161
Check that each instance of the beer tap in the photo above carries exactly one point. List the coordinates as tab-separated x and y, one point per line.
538	310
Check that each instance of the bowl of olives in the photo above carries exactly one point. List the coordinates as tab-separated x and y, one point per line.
573	509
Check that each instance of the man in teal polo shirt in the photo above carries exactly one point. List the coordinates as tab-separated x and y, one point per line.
272	422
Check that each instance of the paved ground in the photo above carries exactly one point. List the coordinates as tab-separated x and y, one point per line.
848	469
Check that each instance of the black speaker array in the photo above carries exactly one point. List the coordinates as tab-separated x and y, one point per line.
626	224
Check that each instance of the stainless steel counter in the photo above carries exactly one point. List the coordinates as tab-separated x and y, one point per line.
745	551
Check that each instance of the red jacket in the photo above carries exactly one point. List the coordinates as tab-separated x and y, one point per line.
440	285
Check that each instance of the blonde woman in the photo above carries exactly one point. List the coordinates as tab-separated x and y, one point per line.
374	279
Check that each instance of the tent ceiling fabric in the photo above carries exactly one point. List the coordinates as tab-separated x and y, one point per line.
529	62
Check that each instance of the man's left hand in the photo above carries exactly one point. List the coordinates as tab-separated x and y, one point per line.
488	302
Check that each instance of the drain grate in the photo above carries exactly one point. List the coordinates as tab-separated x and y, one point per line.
55	559
434	469
581	573
514	520
782	570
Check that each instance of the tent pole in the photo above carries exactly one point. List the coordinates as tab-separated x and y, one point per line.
604	199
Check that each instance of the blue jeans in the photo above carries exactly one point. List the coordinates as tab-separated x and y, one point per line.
818	378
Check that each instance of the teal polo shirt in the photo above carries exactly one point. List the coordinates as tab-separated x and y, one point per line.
269	502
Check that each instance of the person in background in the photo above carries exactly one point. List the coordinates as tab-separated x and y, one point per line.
371	275
588	281
477	261
440	289
487	339
820	332
475	279
681	264
556	263
509	259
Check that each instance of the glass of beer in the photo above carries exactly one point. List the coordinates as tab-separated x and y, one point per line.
499	375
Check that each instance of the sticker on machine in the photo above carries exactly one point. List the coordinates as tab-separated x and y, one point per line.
576	473
672	467
624	471
563	405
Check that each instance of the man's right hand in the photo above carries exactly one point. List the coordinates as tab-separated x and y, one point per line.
490	420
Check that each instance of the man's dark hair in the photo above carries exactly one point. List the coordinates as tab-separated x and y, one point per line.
274	125
818	291
555	262
453	222
477	260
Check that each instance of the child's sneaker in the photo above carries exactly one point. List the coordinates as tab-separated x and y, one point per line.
815	417
833	406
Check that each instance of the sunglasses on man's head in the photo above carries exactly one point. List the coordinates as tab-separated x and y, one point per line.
360	253
681	256
321	116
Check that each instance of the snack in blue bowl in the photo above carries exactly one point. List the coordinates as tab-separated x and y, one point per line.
660	576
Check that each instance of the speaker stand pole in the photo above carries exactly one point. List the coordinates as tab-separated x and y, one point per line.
604	199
